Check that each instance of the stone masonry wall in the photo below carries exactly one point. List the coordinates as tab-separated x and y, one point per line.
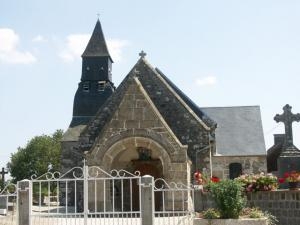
250	164
134	124
284	204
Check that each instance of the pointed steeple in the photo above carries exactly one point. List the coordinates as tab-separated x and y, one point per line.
96	79
97	45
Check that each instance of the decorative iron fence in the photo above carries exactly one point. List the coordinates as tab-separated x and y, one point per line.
173	203
87	195
8	202
92	196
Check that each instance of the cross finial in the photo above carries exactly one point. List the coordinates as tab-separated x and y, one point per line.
288	118
98	15
142	54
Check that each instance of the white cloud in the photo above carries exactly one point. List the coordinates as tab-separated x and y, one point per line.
115	47
39	38
76	43
9	53
206	81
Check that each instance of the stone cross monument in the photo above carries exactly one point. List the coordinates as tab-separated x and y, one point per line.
289	158
288	118
3	172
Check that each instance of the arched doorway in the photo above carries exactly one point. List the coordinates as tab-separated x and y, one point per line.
153	168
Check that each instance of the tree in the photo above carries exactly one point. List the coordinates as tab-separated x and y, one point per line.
40	154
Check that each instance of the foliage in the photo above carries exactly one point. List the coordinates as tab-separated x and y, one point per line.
227	195
35	158
252	213
258	213
271	219
292	176
258	182
211	214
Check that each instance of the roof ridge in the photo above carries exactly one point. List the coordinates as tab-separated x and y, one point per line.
239	106
171	86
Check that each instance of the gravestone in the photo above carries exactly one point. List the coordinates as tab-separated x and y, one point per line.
3	202
3	205
289	158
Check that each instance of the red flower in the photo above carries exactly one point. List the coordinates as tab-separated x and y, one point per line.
286	175
215	179
198	178
281	180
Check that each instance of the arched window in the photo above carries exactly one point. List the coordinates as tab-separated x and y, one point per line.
235	170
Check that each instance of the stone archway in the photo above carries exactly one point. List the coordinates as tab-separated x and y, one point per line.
124	152
143	155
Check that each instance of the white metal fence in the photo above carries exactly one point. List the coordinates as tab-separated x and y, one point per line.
8	199
173	203
87	195
92	196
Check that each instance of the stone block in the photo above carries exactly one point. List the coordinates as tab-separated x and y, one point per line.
115	124
126	114
149	115
139	97
141	103
138	113
148	123
129	124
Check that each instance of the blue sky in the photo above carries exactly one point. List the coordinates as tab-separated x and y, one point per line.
220	53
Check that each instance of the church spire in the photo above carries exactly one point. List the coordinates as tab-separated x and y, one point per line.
97	46
96	79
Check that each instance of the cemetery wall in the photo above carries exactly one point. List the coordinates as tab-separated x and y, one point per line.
250	164
284	204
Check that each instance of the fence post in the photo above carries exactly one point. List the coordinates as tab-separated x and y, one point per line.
24	202
85	192
147	200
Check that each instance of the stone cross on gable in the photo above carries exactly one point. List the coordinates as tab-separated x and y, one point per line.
3	172
142	54
288	118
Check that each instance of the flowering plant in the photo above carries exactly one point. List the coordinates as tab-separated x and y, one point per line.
215	179
199	178
292	176
258	182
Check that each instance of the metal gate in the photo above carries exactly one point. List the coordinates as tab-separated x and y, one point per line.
87	195
92	196
173	203
8	199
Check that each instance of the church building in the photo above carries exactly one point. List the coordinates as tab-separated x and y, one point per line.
148	124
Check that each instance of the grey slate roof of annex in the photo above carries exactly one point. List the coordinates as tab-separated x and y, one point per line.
239	130
96	45
157	91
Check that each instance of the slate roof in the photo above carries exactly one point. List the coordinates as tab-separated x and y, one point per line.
239	130
169	106
97	45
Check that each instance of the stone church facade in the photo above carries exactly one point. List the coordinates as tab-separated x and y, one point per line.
148	124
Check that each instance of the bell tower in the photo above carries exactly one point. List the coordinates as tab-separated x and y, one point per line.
96	80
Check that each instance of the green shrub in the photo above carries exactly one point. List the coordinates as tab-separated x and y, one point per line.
227	195
252	213
211	214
